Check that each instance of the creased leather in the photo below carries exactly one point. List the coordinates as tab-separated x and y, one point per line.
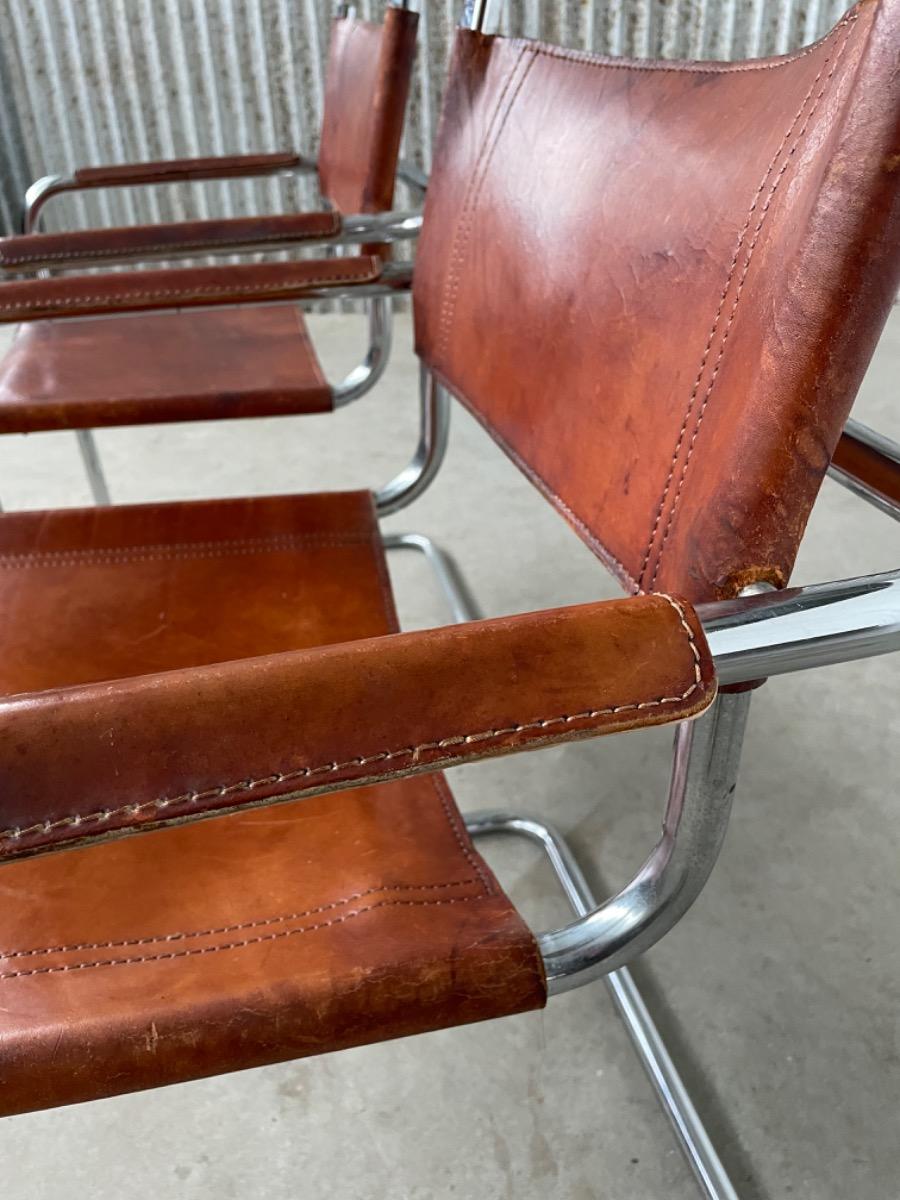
225	166
261	936
103	759
677	273
141	291
202	365
86	247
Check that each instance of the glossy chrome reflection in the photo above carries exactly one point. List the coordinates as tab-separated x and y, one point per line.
434	430
645	1036
451	580
799	628
704	777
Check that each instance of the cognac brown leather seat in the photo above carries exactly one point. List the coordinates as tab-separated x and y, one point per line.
261	936
239	362
215	365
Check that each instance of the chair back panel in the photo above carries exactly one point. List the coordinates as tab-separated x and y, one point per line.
658	284
366	88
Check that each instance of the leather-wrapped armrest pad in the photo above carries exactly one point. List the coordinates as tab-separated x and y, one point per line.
189	287
226	166
87	247
100	760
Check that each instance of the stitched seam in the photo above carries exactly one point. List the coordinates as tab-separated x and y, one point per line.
586	58
116	555
183	935
198	292
454	820
473	192
254	941
385	756
154	247
721	306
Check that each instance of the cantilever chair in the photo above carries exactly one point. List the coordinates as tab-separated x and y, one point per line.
687	335
236	362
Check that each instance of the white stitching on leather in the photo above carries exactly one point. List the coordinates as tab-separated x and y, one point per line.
264	937
155	247
260	923
197	293
384	756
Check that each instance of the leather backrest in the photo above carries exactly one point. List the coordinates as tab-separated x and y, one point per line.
366	86
658	284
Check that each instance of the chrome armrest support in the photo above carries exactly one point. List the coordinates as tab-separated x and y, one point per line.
803	627
704	777
42	191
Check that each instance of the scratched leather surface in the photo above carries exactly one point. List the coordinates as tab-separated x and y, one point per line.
658	285
258	937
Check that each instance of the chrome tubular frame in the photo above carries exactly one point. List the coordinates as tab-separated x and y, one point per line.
451	580
645	1036
803	627
412	481
761	633
704	778
365	375
881	445
42	191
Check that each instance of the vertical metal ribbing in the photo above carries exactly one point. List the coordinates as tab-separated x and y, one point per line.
122	80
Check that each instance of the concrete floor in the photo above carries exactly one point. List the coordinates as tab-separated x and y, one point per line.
779	991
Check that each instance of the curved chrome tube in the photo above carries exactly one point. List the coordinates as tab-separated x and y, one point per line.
412	481
707	754
451	580
38	194
367	373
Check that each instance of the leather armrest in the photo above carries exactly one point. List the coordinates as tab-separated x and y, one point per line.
136	291
86	247
228	166
89	762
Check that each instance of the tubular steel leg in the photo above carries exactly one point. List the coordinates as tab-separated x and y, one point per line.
93	467
645	1036
639	1024
450	579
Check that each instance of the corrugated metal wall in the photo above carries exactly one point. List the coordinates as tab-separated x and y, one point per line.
98	81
